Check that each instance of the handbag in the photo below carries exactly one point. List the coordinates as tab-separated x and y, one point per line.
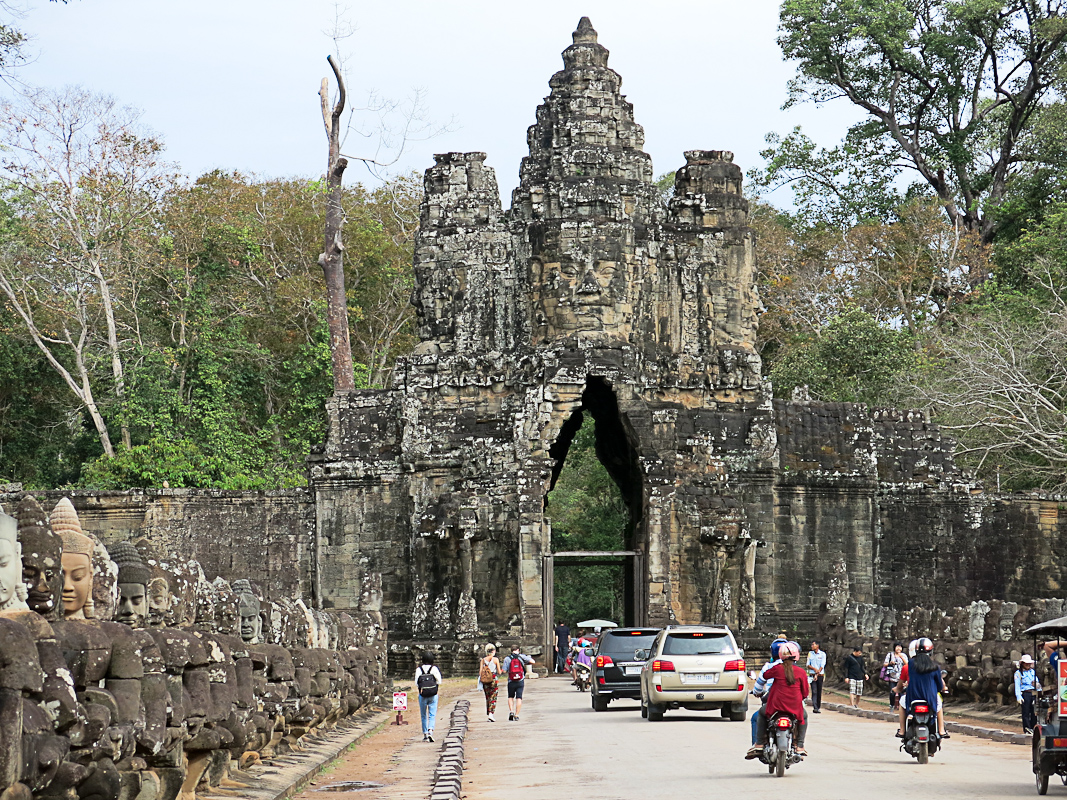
884	674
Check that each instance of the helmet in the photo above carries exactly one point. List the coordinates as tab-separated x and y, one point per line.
776	646
922	645
789	650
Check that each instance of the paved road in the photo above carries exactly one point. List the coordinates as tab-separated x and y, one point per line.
620	756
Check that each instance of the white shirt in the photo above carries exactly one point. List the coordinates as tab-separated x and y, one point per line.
432	671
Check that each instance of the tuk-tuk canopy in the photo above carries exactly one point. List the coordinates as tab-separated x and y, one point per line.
1052	627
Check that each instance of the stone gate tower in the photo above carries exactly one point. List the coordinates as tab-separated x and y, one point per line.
591	297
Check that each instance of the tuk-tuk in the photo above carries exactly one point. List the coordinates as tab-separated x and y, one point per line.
1050	733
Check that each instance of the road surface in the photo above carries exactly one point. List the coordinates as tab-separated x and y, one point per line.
617	755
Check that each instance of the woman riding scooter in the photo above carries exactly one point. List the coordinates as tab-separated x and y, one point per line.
922	675
786	694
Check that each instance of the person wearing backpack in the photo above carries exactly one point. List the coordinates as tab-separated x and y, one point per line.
428	680
488	669
515	669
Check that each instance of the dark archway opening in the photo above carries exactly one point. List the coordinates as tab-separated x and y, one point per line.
595	504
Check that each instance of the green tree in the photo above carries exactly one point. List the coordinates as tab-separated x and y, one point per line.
949	87
854	359
587	513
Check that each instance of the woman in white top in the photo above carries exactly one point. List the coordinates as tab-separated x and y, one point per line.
428	681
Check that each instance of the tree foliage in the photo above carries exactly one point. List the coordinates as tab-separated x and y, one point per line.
185	318
587	513
949	88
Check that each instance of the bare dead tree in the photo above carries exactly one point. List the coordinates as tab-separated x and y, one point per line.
332	258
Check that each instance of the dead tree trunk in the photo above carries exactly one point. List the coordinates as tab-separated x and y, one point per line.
332	258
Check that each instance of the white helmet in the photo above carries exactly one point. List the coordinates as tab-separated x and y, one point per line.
921	645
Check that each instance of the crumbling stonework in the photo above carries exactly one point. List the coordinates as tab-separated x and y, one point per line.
592	297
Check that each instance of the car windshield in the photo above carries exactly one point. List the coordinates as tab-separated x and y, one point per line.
626	642
697	644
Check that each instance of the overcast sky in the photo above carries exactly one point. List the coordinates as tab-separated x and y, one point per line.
233	84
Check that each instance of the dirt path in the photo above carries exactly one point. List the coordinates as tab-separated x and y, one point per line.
394	757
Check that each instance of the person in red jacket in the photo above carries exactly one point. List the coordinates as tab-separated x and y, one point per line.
787	694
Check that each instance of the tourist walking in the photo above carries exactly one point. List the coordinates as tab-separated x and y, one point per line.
515	669
816	674
563	643
488	670
892	666
855	674
1026	687
428	681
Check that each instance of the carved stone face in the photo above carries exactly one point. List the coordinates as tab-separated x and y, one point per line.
77	583
42	572
578	296
158	602
250	622
1004	629
133	605
10	570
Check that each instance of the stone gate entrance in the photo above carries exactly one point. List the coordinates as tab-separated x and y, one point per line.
595	295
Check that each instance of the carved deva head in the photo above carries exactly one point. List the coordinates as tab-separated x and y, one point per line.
134	576
12	589
248	606
77	561
580	292
42	554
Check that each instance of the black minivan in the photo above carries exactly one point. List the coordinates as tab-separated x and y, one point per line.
616	667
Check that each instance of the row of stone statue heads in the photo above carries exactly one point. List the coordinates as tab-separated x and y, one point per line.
124	675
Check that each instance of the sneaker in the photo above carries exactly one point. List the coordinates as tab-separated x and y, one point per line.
511	716
816	711
516	717
424	737
1025	730
754	752
429	737
490	718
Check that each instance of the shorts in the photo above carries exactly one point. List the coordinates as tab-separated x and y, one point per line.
855	687
515	689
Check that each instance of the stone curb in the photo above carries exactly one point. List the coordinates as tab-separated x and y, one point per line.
285	776
448	774
996	734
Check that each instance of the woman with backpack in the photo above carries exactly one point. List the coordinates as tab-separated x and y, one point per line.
487	672
515	669
428	681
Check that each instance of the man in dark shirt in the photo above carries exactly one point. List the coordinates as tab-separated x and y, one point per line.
563	644
855	674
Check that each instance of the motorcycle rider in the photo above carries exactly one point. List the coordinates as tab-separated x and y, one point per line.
787	691
581	656
922	675
759	689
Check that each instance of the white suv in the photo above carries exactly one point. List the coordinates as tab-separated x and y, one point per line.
696	667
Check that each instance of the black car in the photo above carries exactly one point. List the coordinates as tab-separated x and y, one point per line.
616	665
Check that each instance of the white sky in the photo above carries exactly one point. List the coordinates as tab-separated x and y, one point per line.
233	83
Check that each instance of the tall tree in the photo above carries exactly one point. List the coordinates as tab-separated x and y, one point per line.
332	258
83	181
949	86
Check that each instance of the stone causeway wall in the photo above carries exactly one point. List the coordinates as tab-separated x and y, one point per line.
130	672
978	645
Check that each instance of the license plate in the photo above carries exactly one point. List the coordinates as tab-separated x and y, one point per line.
699	677
633	670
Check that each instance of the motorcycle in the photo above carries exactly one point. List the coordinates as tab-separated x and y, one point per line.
780	752
920	736
583	677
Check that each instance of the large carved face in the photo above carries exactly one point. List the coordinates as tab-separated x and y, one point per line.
77	583
10	569
42	571
133	605
578	295
250	620
158	602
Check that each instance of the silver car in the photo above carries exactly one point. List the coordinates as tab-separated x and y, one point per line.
696	667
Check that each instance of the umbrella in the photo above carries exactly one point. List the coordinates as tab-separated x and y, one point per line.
597	623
